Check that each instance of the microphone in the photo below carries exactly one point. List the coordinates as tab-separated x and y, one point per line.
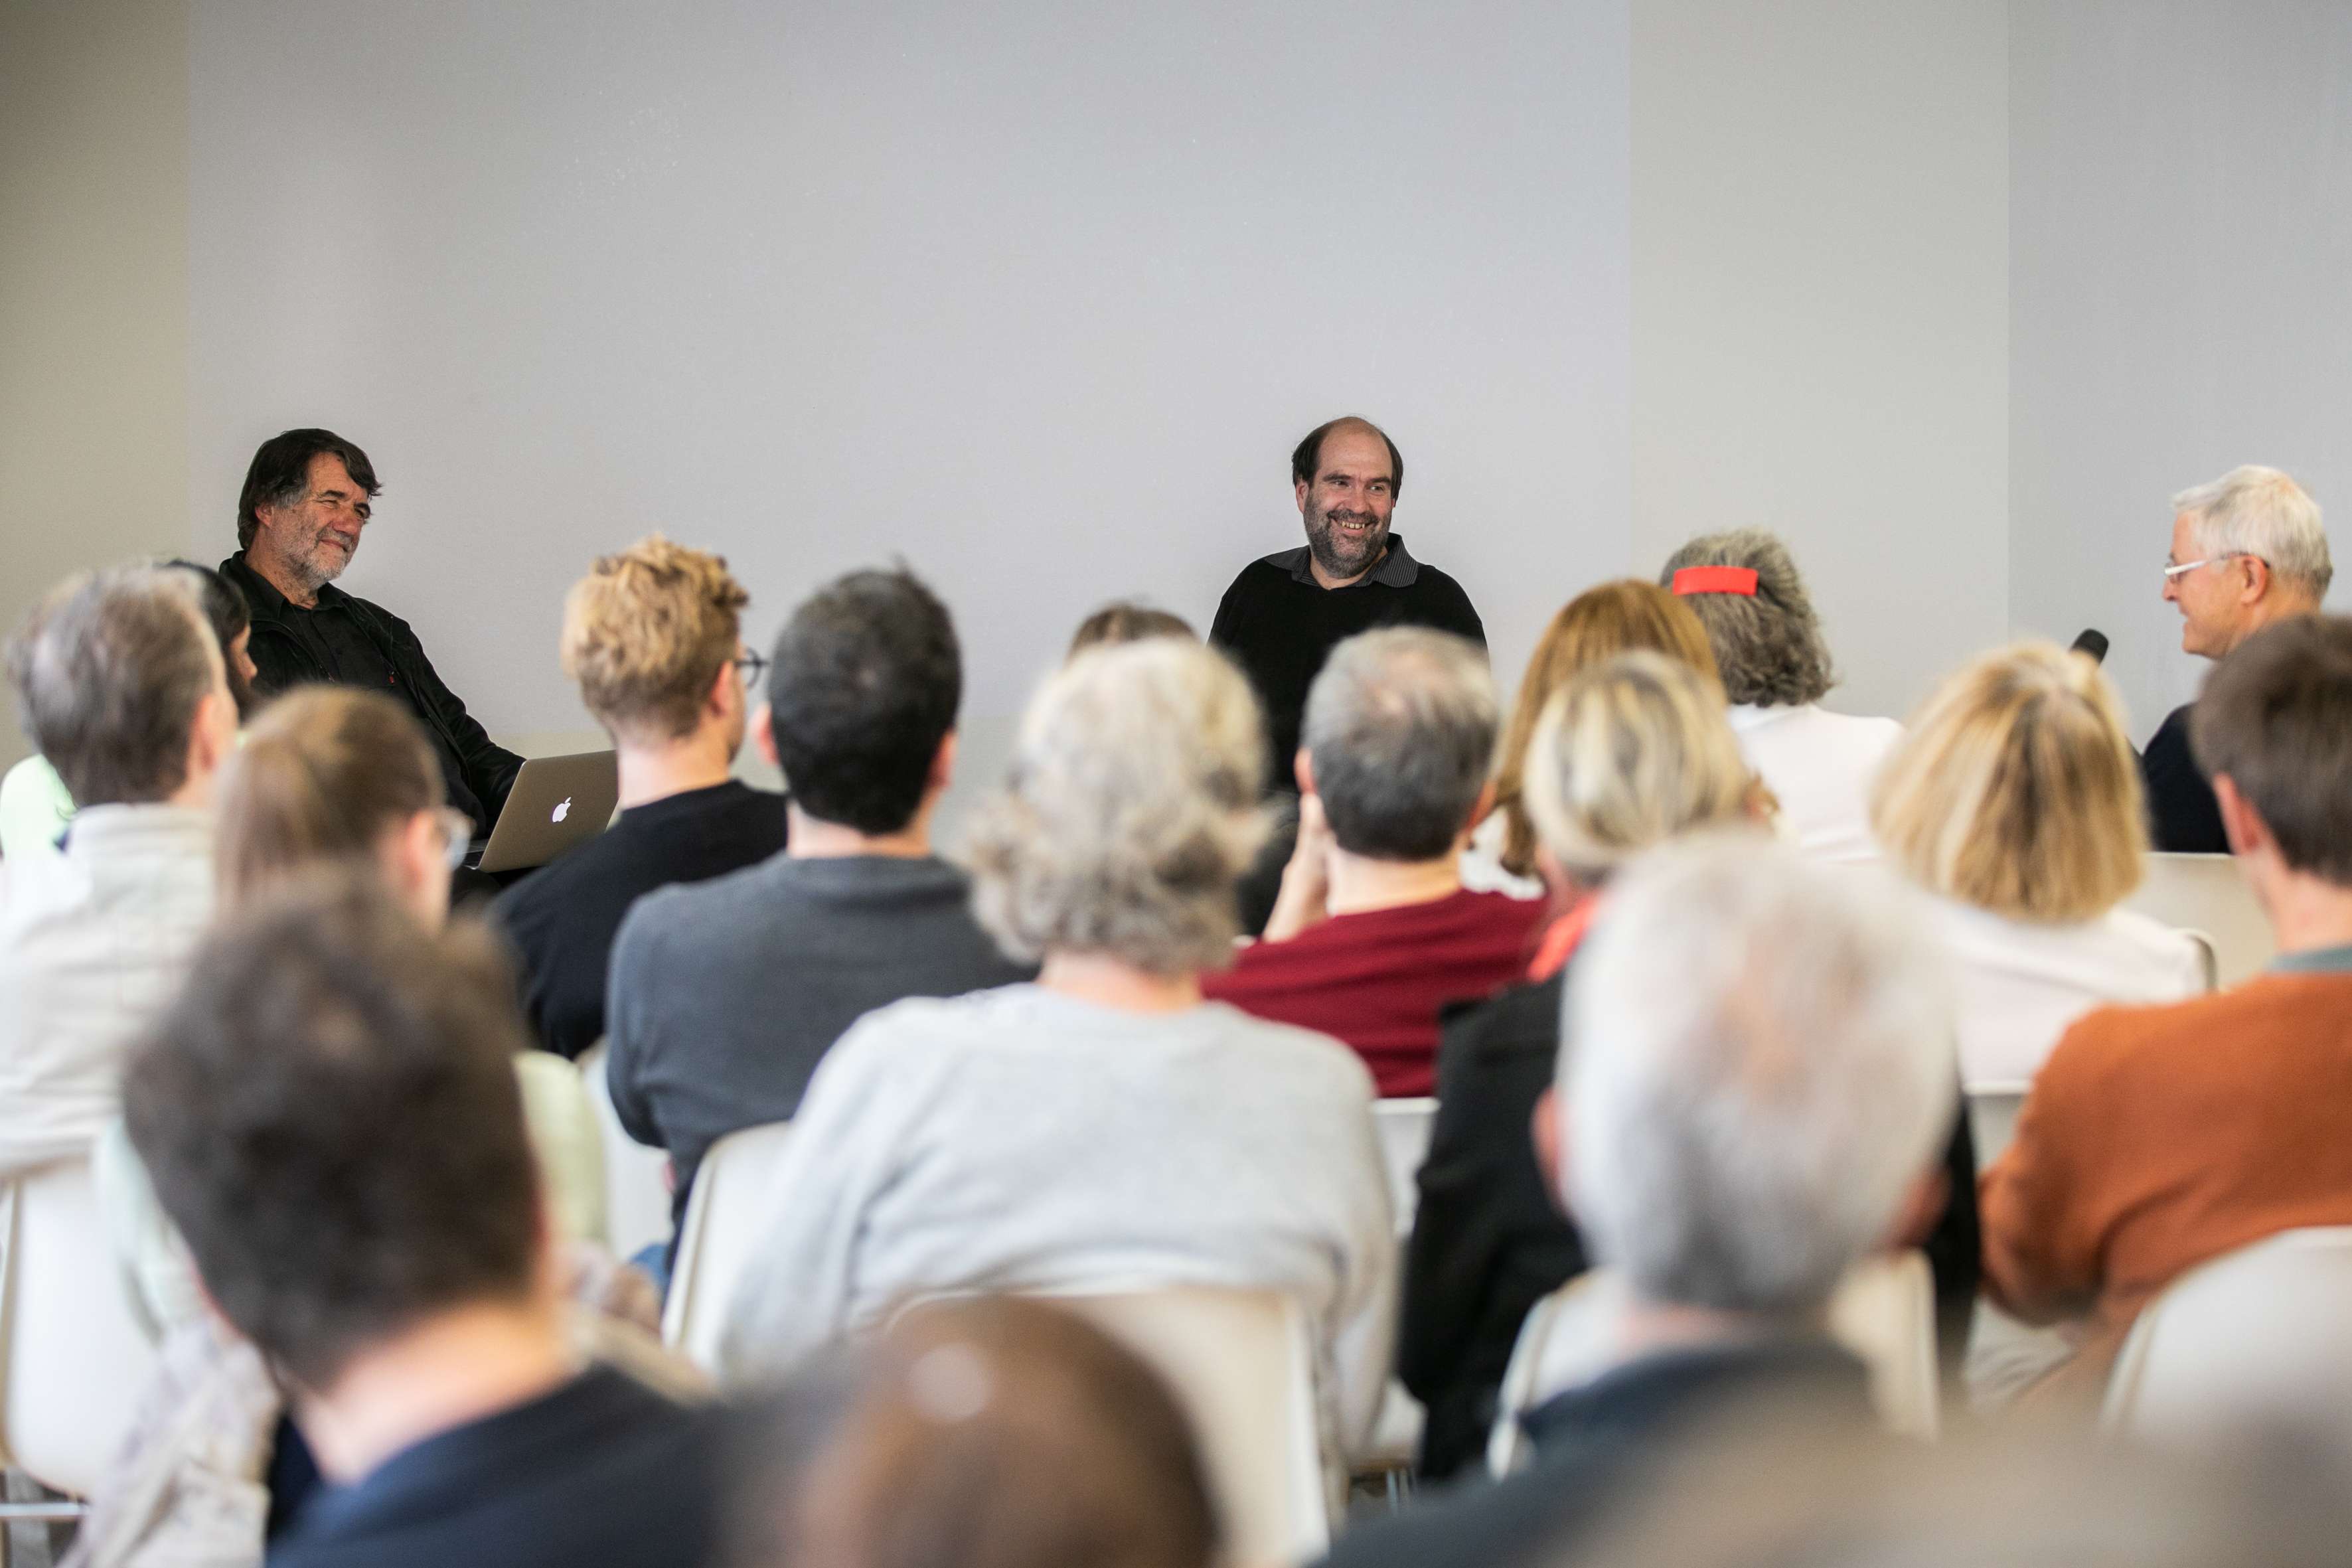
2094	644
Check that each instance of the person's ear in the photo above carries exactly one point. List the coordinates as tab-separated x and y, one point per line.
764	734
720	697
2242	824
212	734
1482	807
2255	579
942	765
1922	1207
1302	487
1305	768
1548	1127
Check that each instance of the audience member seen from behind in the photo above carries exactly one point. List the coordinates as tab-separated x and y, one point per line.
2015	800
1597	625
724	995
1625	754
2157	1138
121	686
35	806
1374	932
1103	1125
331	1119
1775	668
1128	620
1754	1102
652	636
308	495
990	1432
2247	550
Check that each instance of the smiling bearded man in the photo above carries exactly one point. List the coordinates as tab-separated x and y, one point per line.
307	497
1285	613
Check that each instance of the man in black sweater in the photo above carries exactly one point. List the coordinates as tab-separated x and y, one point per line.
652	636
2247	550
1285	613
308	495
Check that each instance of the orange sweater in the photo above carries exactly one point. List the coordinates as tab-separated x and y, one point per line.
2155	1138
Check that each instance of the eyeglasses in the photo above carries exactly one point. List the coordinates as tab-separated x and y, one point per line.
456	835
753	666
2171	571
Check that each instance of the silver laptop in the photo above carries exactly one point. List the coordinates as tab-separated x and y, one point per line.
556	803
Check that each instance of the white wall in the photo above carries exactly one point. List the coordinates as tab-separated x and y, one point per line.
1036	295
1821	310
93	293
2182	285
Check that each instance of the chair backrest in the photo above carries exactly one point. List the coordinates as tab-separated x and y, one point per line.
1992	1118
1884	1311
74	1357
636	1178
2208	895
1404	1127
2260	1335
1243	1368
726	1216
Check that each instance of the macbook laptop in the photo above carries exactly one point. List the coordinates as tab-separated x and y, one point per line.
556	803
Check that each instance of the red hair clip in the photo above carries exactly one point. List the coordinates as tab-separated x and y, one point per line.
1715	580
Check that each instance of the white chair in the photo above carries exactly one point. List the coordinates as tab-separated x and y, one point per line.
1241	1365
2206	895
1404	1126
726	1215
2258	1337
73	1354
1884	1311
636	1178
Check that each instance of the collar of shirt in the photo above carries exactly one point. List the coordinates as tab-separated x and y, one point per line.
2314	961
262	595
1397	568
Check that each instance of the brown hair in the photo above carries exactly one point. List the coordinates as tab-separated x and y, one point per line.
2015	790
323	773
2276	718
110	670
646	632
1624	616
331	1114
991	1433
1129	621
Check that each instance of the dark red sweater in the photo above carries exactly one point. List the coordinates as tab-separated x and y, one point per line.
1376	980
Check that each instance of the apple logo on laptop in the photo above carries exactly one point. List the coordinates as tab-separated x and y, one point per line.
562	809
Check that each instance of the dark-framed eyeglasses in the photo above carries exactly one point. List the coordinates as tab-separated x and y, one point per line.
753	667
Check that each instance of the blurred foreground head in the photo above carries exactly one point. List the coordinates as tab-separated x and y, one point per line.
996	1433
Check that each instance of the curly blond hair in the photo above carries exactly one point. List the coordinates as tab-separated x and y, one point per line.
1130	812
646	632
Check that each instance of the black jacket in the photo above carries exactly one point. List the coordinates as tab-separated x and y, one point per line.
2183	817
1488	1241
478	770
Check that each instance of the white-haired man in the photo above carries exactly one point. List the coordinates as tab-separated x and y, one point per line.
2247	550
1753	1094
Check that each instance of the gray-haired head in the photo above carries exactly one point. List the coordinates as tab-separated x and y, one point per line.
1130	812
1768	645
110	670
1400	728
1757	1067
2253	510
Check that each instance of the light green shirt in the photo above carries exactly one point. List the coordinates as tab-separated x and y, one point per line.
34	807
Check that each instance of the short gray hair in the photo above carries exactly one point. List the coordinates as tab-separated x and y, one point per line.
109	671
1401	729
1756	1063
1130	812
1768	646
2259	511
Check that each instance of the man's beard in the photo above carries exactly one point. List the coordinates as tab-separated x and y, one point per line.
1338	556
319	565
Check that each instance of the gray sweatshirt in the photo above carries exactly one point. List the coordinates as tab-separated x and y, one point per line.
1019	1140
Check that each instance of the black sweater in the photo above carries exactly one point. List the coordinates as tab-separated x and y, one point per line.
2183	817
1279	624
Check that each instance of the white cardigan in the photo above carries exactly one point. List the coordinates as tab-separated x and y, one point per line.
1819	765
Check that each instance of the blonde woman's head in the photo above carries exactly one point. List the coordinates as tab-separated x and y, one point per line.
2015	789
1130	812
1598	624
1627	754
333	774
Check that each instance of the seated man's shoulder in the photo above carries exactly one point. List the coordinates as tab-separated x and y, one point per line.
713	916
2122	1045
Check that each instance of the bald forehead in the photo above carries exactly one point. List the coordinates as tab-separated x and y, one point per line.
1355	448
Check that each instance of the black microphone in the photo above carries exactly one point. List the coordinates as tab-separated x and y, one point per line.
2094	644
